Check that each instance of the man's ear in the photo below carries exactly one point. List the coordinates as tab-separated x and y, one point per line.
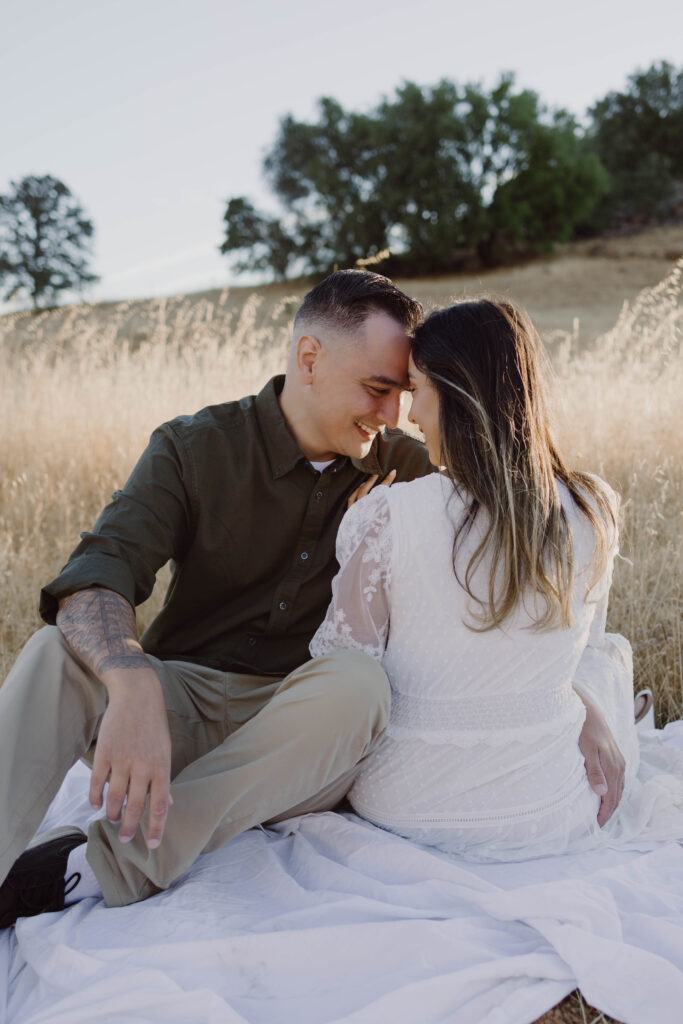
308	350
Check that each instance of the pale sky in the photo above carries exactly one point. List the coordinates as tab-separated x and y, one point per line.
156	112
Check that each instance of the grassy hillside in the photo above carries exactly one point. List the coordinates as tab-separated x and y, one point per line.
580	288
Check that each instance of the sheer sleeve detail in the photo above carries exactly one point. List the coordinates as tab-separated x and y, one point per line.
358	615
605	669
599	597
597	592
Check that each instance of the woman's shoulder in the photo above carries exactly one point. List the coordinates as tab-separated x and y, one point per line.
603	503
595	491
400	503
427	487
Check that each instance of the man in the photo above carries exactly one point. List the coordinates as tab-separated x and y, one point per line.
219	695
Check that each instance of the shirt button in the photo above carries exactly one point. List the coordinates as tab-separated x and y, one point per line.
304	556
318	495
252	641
283	606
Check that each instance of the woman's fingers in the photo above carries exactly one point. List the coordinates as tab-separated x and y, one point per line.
605	765
596	776
614	773
367	486
361	491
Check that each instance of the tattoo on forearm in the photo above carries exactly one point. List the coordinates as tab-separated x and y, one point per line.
100	627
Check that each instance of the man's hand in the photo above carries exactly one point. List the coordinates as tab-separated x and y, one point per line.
133	753
605	765
133	747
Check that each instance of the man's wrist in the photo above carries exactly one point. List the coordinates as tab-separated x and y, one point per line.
124	653
129	673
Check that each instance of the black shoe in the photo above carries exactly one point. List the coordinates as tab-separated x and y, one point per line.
36	882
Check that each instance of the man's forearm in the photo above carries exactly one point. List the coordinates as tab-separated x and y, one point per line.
99	625
133	750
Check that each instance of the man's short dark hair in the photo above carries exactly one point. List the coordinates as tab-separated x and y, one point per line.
345	299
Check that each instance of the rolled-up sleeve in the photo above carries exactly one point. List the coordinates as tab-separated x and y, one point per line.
146	523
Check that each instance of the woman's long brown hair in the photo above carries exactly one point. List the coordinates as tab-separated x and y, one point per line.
483	357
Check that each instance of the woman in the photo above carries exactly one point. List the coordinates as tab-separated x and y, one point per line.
483	591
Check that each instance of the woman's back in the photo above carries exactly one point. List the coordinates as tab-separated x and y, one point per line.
436	649
481	755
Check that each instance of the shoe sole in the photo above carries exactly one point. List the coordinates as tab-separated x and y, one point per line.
9	911
55	833
648	704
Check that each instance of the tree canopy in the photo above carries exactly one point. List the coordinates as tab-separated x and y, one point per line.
448	175
638	136
440	175
44	236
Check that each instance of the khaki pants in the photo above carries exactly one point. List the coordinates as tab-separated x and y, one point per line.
246	750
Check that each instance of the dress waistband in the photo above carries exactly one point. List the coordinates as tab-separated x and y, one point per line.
503	711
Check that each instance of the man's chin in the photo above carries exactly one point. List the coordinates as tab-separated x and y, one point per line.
360	449
362	442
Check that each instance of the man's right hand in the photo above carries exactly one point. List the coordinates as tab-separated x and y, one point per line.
133	754
133	748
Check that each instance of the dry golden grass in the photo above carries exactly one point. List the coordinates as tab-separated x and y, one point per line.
80	395
621	416
575	1010
83	387
77	407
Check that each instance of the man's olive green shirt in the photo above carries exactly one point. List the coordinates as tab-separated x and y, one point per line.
249	526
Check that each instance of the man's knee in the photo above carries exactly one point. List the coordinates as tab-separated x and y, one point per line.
42	649
356	688
44	653
45	641
47	666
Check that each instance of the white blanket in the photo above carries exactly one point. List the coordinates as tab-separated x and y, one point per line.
328	919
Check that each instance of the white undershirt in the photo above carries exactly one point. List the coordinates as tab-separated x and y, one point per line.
320	466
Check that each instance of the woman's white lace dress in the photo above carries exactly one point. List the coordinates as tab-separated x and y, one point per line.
481	753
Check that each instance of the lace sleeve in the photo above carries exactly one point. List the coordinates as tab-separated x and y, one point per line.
358	615
605	671
599	594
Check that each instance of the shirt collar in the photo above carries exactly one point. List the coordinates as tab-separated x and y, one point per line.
280	444
369	464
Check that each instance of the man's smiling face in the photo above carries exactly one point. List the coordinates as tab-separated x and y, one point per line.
356	386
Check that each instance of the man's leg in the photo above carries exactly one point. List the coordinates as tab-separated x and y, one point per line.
245	750
300	751
50	708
